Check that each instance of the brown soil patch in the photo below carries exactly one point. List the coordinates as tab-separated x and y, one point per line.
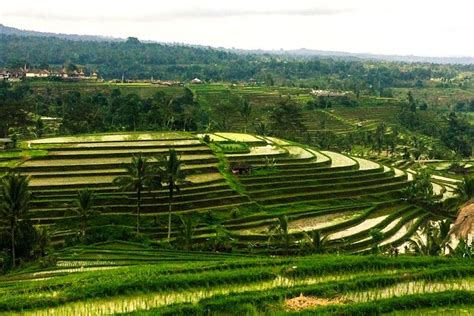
303	302
464	225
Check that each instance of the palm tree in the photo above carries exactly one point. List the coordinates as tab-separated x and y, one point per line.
84	208
188	224
14	205
139	176
170	171
280	230
433	241
245	111
466	188
376	235
319	242
43	241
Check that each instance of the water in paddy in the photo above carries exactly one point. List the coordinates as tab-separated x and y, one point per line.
124	304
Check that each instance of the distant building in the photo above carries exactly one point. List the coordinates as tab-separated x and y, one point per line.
196	81
37	73
328	93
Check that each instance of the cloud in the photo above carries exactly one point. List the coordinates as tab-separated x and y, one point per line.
172	15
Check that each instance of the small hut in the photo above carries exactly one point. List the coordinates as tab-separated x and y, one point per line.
240	169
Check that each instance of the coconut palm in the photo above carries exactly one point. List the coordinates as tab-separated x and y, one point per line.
139	176
170	171
245	111
318	242
465	189
433	241
279	231
84	208
376	235
188	224
43	241
14	204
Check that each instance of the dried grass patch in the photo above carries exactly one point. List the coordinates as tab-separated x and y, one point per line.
303	302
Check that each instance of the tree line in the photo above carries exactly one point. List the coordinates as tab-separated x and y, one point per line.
136	60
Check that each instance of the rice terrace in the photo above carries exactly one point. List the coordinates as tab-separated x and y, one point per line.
162	176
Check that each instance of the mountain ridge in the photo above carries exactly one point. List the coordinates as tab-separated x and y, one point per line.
302	52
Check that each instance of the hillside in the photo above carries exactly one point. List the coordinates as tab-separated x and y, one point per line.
7	30
340	196
143	60
303	52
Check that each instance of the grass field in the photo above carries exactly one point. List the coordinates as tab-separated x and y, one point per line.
117	277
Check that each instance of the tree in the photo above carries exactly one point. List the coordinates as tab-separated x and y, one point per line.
245	110
170	171
466	188
43	241
261	129
279	231
14	205
420	189
434	239
188	224
140	176
318	242
39	128
376	235
379	137
286	118
14	108
84	208
411	101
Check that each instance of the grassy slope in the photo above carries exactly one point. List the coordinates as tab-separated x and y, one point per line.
207	280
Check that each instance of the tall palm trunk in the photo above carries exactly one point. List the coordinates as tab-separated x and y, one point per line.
170	202
139	206
12	226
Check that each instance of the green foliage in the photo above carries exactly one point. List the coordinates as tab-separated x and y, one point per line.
14	107
376	235
186	230
84	208
169	170
279	234
286	119
14	205
420	189
140	176
433	241
466	188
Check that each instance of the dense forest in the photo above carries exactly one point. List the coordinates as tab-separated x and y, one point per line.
136	60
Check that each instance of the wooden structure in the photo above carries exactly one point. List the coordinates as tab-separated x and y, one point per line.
241	169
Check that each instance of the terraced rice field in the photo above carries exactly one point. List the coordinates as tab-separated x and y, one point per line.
125	278
337	196
343	197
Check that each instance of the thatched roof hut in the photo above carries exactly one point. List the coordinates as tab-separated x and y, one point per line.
464	225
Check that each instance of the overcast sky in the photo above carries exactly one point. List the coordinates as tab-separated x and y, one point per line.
403	27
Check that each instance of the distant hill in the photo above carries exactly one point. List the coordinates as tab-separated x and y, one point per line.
7	30
134	59
302	52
